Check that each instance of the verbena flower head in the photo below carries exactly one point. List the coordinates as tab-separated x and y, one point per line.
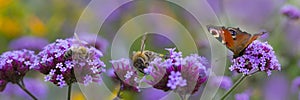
36	87
126	74
225	81
258	56
182	75
290	11
28	42
67	61
14	65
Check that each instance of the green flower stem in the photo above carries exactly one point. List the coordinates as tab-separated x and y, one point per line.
233	87
25	90
69	92
119	92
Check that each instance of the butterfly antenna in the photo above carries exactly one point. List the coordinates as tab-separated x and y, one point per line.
143	42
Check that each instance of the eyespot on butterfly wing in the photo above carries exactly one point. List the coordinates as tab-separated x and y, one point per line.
234	39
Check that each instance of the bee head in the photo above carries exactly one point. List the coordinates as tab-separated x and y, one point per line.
140	61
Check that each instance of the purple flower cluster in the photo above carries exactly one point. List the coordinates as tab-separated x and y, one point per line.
258	56
290	11
176	80
14	65
67	61
182	75
126	74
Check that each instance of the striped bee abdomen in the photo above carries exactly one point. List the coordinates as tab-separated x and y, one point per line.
142	60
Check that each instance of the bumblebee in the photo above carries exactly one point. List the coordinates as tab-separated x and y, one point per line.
141	59
76	51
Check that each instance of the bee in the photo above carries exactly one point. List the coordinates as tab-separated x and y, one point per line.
76	51
141	59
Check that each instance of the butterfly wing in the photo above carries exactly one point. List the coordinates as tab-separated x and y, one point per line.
217	32
241	41
225	36
234	39
255	36
222	35
243	44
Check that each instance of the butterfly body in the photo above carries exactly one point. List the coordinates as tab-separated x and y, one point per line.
234	39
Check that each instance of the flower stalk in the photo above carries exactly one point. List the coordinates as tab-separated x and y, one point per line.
119	92
69	91
25	90
238	82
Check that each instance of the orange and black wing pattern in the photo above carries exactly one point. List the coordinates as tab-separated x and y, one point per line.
234	39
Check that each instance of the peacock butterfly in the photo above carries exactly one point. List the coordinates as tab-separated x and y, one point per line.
234	39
